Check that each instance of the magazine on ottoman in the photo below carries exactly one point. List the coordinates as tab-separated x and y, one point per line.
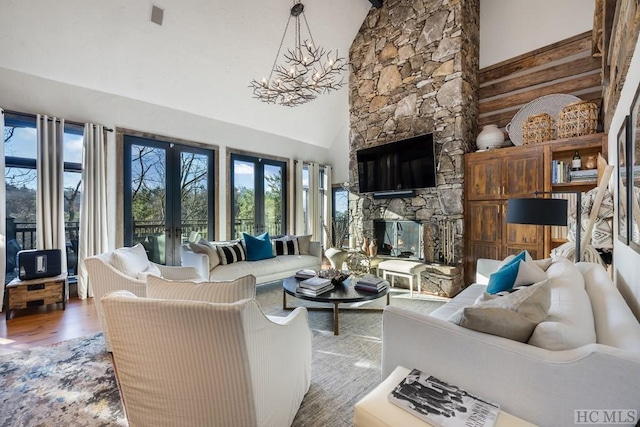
441	404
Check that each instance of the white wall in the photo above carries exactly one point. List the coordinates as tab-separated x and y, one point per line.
340	155
625	260
30	94
510	28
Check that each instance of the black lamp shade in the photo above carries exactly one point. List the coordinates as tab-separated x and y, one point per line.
537	211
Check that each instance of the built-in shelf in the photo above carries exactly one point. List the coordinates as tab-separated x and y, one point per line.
576	184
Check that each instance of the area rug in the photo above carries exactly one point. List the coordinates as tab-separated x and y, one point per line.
72	383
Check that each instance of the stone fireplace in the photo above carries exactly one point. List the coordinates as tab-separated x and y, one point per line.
414	70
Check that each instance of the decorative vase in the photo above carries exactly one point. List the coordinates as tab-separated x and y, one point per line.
336	257
490	137
365	246
373	247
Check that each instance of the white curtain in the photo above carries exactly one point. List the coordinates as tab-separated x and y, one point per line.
3	213
327	215
299	203
93	208
313	206
50	189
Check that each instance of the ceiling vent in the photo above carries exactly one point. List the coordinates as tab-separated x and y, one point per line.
157	15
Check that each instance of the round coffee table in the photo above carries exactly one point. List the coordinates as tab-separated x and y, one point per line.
343	293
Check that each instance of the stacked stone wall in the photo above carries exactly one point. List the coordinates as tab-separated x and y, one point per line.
414	70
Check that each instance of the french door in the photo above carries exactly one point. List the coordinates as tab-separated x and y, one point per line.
259	196
168	196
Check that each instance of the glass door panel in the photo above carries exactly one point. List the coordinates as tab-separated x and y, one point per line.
168	196
148	200
244	177
196	196
259	196
272	201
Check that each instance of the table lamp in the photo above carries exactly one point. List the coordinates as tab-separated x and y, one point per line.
545	211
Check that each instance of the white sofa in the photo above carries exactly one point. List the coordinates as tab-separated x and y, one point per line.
265	270
601	369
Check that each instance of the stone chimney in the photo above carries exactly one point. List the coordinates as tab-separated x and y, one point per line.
414	70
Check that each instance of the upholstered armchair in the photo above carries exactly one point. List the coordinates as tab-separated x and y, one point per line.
183	362
127	269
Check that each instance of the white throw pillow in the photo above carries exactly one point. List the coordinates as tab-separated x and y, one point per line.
206	248
216	292
570	323
529	273
543	263
130	261
512	316
153	270
303	244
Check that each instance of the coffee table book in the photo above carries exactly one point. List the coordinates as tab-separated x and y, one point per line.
441	404
315	292
314	283
305	274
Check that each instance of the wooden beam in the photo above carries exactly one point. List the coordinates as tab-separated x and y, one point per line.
569	86
501	119
567	69
541	56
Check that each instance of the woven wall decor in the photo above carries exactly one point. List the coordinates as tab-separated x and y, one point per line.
538	128
578	118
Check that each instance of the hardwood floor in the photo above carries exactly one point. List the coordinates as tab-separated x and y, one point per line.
45	325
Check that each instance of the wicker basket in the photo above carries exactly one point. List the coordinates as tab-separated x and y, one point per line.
578	118
538	128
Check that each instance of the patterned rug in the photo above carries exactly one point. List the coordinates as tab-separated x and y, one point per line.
72	383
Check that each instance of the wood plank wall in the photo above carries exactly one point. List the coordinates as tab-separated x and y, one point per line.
567	66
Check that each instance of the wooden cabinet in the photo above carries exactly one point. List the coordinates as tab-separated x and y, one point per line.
493	177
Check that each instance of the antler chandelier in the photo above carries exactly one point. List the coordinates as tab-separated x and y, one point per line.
308	71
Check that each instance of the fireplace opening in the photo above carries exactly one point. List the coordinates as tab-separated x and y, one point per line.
402	239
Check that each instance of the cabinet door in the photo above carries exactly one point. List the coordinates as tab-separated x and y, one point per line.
484	234
523	173
518	237
483	178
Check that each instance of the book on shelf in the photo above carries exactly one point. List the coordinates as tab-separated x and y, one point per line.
441	404
315	292
305	274
314	283
559	172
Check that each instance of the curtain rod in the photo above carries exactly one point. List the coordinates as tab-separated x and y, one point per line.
29	115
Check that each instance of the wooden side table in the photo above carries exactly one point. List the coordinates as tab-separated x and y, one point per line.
22	294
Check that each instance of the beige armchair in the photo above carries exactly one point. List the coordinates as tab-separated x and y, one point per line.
183	362
109	273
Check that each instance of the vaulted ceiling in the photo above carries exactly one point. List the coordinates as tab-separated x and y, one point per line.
200	60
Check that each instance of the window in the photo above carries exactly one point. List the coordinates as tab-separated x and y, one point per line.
340	199
20	139
72	182
259	196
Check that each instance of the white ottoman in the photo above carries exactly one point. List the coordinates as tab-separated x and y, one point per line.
403	268
374	410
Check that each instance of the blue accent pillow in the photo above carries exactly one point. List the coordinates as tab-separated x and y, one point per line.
258	247
503	279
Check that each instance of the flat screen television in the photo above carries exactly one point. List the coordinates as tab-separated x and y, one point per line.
408	164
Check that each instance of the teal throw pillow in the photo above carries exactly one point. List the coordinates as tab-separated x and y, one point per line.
258	247
503	279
